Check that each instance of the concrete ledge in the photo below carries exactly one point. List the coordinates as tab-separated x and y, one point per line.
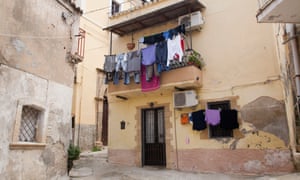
26	146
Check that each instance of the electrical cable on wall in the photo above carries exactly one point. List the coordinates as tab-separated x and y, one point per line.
34	37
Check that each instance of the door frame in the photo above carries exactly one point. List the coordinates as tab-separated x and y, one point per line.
143	111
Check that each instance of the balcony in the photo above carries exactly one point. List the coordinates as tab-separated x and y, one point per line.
187	77
141	16
278	11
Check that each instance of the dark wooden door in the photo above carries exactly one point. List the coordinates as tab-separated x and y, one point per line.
104	135
153	130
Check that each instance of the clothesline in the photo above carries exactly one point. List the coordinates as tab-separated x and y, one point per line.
161	36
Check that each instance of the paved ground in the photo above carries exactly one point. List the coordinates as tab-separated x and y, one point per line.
94	166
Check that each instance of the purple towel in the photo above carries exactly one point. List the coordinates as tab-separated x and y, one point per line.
212	116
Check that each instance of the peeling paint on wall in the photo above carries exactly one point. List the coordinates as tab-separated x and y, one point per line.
16	85
269	115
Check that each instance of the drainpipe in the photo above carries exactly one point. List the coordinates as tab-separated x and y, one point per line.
290	28
176	144
110	43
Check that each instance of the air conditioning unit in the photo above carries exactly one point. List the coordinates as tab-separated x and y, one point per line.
192	21
184	99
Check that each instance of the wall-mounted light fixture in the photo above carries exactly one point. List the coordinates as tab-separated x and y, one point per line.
122	124
151	104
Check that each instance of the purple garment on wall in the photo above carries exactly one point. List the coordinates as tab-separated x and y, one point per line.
148	55
212	116
151	85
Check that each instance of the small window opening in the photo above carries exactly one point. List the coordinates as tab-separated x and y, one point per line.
29	120
115	7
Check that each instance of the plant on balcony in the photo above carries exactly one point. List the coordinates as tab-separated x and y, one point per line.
194	58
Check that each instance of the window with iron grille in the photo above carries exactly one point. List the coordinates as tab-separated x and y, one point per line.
29	119
217	131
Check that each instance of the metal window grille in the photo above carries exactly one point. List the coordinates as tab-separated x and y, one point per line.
150	132
154	122
29	121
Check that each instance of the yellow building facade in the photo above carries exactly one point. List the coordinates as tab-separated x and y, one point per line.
241	73
88	93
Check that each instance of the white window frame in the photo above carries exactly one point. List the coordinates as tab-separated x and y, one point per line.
120	2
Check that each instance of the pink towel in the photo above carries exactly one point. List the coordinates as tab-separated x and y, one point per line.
149	85
212	116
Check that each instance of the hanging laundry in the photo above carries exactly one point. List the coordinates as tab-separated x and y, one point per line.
121	64
212	116
109	67
198	119
149	72
134	65
166	35
148	55
174	32
149	85
229	119
161	55
174	49
182	44
134	61
184	118
155	38
152	39
109	63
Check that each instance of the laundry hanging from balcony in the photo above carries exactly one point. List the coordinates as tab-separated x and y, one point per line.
164	51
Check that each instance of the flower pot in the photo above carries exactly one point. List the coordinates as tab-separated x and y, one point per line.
130	46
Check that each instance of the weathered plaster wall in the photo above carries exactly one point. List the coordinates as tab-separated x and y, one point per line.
240	161
269	115
35	38
87	136
46	163
34	65
252	150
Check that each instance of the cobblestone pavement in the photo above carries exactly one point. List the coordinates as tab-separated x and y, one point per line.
94	166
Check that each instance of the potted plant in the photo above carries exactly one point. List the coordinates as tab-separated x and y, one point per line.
73	154
194	58
131	45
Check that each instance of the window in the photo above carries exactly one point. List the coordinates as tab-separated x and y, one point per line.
217	131
144	1
115	7
29	121
30	125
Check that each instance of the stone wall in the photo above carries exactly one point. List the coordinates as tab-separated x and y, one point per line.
36	39
49	162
